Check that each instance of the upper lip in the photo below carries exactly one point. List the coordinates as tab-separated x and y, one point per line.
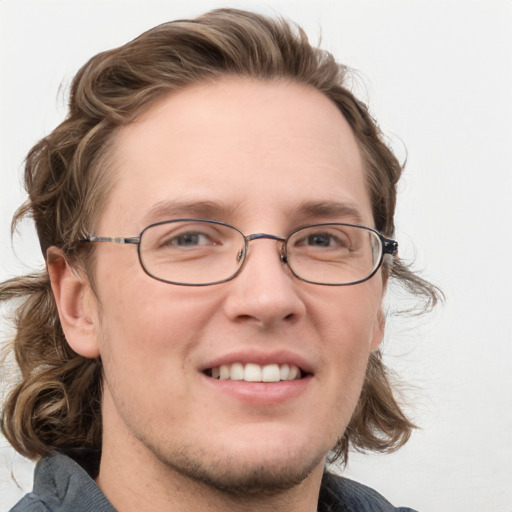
262	358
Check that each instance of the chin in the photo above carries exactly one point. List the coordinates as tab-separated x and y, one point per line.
249	478
257	471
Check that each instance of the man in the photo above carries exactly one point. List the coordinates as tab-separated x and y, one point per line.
216	213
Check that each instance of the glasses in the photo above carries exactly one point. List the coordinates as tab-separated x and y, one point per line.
198	252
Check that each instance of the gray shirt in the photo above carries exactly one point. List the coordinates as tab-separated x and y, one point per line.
63	485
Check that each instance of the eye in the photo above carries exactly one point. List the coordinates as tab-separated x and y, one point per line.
333	239
192	239
186	236
321	240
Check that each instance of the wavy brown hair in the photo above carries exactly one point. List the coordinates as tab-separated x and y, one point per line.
55	405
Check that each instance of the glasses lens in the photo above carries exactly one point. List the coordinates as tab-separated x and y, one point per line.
334	253
191	251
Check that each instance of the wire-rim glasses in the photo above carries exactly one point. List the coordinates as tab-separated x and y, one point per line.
199	252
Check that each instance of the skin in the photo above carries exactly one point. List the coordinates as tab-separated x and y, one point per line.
175	439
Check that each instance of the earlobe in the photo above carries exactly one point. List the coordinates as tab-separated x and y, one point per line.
72	295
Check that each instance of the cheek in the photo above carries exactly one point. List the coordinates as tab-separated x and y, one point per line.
148	327
351	317
139	309
352	329
145	346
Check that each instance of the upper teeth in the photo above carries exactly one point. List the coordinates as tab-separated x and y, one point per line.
252	372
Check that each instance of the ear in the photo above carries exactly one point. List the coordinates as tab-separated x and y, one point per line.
378	330
76	304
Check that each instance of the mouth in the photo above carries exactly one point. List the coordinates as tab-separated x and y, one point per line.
253	372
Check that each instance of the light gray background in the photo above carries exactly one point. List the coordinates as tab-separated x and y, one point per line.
438	76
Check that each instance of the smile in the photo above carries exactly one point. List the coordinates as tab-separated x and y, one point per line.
252	372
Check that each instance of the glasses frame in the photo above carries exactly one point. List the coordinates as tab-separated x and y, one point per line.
388	246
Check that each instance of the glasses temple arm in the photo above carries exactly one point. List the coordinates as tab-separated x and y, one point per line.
114	240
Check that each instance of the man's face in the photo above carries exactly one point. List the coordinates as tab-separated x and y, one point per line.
264	157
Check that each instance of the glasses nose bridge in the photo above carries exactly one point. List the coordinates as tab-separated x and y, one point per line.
258	236
261	236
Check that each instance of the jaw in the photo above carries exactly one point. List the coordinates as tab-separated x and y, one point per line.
229	463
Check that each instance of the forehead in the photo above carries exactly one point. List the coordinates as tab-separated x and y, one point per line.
243	146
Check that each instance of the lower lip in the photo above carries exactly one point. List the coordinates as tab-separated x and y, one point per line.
261	393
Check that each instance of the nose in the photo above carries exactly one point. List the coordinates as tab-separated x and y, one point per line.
265	292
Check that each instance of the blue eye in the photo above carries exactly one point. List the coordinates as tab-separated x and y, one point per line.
190	240
319	240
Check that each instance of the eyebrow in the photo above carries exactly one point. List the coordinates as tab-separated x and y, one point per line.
306	211
332	210
169	209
